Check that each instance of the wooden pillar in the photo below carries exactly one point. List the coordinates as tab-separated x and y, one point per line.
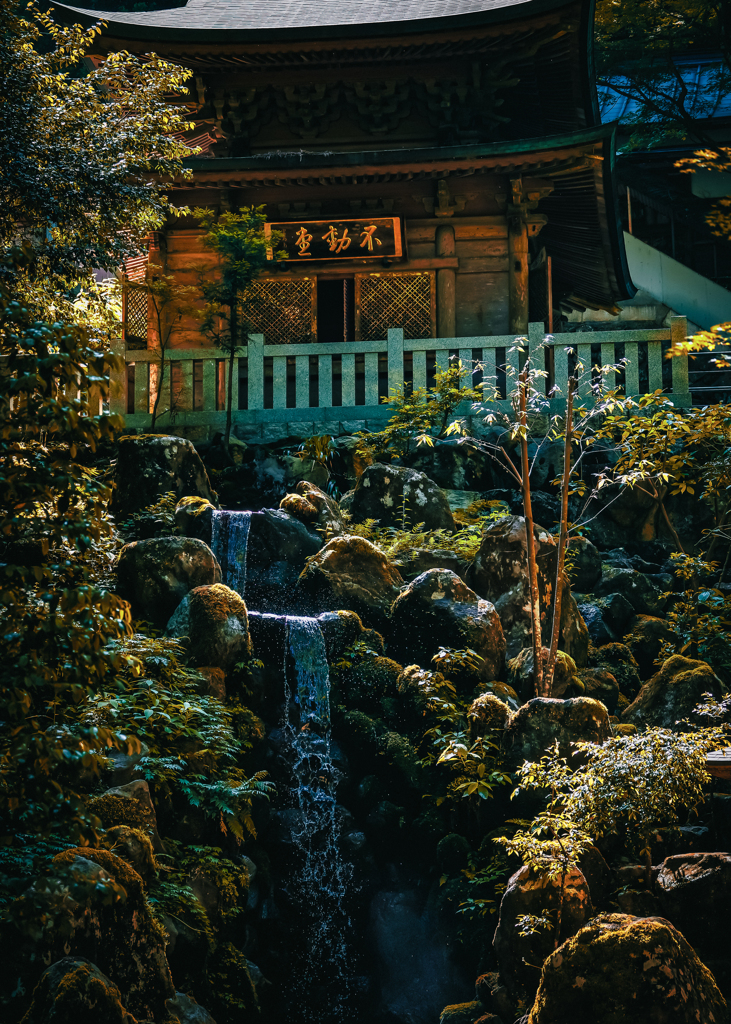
446	284
517	263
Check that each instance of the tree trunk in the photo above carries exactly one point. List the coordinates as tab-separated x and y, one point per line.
230	381
530	541
562	538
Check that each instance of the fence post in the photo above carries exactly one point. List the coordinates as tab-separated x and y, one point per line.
256	371
536	354
395	358
681	380
117	380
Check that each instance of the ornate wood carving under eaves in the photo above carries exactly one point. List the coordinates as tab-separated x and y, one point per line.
309	110
379	107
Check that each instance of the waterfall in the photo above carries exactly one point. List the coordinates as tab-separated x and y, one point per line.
229	541
322	880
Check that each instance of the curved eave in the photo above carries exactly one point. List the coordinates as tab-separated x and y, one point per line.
189	26
304	160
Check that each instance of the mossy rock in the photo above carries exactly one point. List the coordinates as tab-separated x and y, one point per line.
619	660
127	942
215	621
350	573
487	714
119	811
543	721
74	991
620	969
462	1013
673	693
368	681
149	465
453	852
229	991
313	506
134	846
194	518
342	629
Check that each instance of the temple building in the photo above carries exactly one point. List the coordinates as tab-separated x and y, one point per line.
439	172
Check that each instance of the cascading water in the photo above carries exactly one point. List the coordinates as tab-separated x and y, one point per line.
229	542
322	879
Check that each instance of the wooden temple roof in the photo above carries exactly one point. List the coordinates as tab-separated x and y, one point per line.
277	20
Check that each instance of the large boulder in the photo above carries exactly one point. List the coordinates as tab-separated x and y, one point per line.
584	564
499	573
521	674
544	720
633	970
695	893
454	465
645	597
194	518
648	634
673	693
74	991
618	660
487	714
127	943
278	548
438	610
400	497
129	805
353	574
521	952
215	622
315	508
154	575
149	465
414	561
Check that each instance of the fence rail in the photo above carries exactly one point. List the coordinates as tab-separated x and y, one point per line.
323	382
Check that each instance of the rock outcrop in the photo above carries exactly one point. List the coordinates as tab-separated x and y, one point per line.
400	497
149	465
672	693
215	622
543	721
154	575
438	610
352	573
630	969
73	991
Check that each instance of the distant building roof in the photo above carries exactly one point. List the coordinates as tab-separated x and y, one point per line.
704	77
269	19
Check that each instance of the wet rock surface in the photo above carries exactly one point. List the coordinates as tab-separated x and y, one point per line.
149	465
214	621
619	967
672	693
438	609
154	575
400	497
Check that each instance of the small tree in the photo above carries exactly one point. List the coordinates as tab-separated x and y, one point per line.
243	251
169	302
577	428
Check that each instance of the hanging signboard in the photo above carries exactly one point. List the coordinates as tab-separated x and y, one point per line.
374	238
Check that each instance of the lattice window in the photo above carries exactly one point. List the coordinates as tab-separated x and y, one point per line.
395	300
135	319
280	309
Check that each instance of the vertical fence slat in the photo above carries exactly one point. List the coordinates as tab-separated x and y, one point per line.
234	384
536	353
142	387
654	365
209	385
561	370
632	368
395	359
465	358
371	378
489	370
185	401
609	379
348	371
419	366
678	334
325	376
442	356
279	375
256	371
584	354
302	378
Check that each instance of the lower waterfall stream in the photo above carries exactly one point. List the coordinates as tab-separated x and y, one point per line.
321	878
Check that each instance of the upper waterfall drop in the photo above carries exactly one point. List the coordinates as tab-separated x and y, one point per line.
229	543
